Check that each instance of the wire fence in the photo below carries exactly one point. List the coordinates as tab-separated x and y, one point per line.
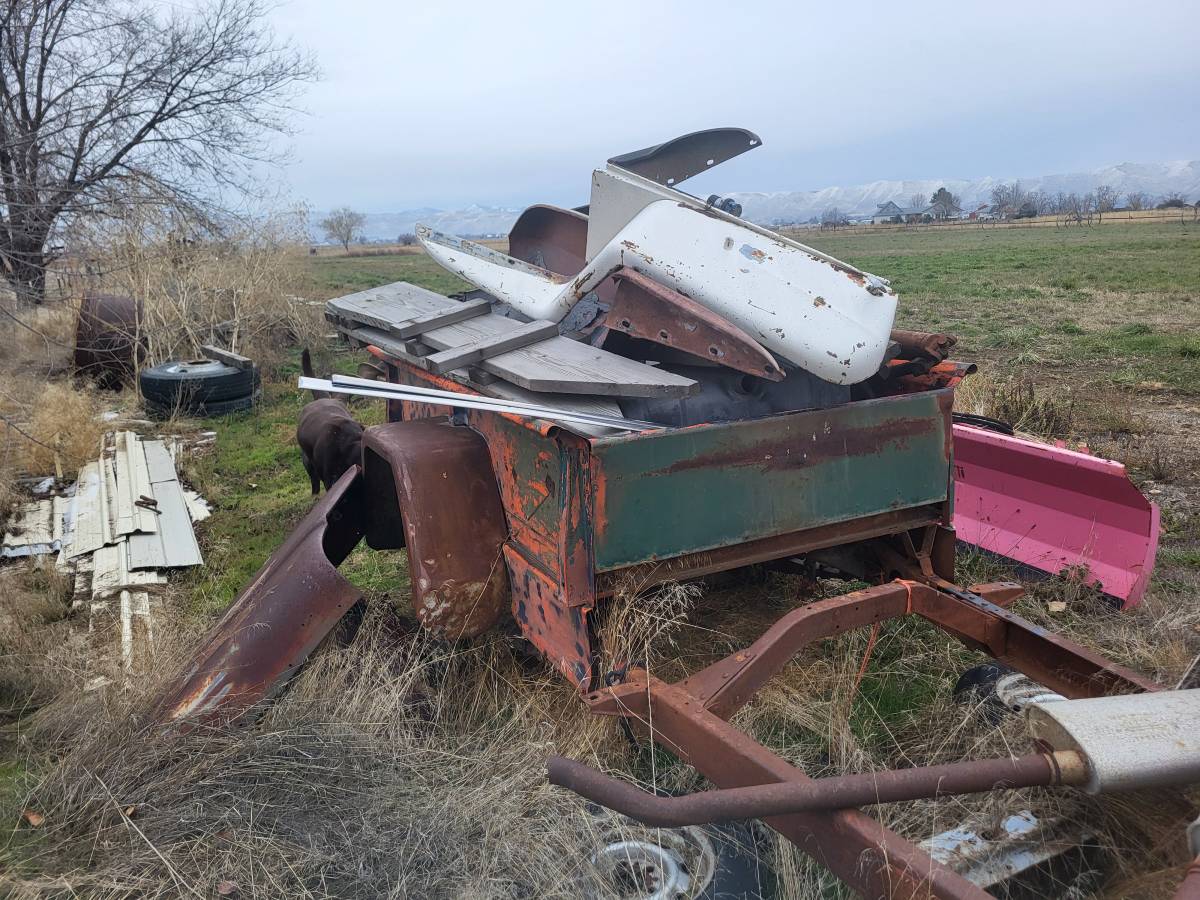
1188	215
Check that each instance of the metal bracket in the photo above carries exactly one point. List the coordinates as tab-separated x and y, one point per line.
643	308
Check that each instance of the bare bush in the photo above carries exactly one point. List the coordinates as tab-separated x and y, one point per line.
236	284
399	767
1017	401
833	218
48	427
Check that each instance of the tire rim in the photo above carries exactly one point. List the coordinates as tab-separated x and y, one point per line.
679	862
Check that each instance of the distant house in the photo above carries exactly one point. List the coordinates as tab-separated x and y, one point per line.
943	209
887	212
893	212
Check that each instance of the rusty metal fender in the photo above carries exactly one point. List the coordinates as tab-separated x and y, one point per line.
431	487
279	618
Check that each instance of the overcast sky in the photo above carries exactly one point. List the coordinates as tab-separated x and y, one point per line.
509	103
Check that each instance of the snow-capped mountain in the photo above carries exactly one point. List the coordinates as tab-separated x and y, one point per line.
1153	179
785	207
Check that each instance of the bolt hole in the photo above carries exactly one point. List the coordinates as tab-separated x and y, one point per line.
714	351
663	336
624	323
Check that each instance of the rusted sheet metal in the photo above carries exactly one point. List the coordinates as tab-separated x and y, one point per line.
550	238
643	308
722	559
440	479
915	344
557	629
291	604
692	489
837	792
945	374
109	346
544	480
1055	510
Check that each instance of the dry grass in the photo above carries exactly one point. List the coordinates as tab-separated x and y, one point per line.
400	767
1018	402
59	426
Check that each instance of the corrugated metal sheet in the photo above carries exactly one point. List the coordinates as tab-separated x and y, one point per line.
131	517
92	529
36	528
111	571
173	543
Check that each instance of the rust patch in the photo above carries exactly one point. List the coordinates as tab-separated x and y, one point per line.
819	302
803	449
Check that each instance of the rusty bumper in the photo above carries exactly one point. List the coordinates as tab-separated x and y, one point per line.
278	619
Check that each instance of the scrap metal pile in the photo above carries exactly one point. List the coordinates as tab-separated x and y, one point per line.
651	388
125	522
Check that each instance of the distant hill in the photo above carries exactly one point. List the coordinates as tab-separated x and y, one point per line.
789	207
786	207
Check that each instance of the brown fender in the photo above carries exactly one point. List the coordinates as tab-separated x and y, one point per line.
430	486
293	602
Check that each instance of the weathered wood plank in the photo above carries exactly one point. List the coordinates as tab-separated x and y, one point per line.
485	348
557	364
456	312
228	357
534	369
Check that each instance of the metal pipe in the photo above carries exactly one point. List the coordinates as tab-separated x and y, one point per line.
472	401
500	403
841	792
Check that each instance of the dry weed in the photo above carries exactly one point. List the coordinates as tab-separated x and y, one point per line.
1035	410
236	285
398	767
53	426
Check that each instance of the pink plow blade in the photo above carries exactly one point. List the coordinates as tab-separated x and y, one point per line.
1054	509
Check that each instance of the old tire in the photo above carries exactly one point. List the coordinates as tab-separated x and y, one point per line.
208	410
191	384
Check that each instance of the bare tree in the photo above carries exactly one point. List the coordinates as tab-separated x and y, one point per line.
833	218
407	239
1042	202
343	225
917	202
1106	199
945	204
1137	200
97	96
1007	199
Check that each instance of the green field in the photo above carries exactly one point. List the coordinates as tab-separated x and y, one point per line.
1120	303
